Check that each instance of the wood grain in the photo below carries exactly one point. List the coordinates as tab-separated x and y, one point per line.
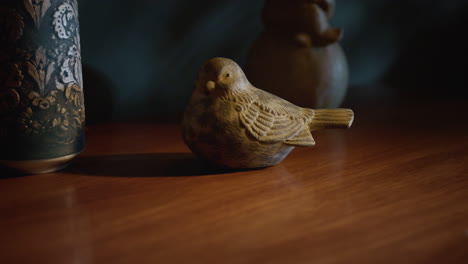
391	190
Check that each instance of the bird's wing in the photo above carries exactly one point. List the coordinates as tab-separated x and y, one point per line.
279	105
271	119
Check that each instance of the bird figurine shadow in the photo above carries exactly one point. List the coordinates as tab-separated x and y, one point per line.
231	123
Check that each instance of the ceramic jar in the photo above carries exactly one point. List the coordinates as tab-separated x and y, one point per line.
42	116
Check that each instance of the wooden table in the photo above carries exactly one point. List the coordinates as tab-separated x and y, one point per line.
392	189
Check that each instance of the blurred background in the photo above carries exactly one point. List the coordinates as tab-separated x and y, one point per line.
140	57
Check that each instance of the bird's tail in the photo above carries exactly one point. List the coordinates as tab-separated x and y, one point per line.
331	118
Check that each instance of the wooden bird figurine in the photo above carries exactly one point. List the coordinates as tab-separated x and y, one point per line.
233	124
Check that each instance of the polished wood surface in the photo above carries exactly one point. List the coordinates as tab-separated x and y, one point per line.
389	190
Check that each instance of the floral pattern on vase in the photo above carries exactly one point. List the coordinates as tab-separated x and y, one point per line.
41	95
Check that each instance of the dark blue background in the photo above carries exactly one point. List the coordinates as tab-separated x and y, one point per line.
141	57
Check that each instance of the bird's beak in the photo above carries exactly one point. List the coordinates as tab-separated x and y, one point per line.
210	85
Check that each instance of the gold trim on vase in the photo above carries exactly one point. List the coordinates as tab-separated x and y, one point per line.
38	166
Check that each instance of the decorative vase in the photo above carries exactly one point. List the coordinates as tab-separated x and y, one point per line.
297	56
42	116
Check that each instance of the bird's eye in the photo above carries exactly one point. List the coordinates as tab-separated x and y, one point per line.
227	75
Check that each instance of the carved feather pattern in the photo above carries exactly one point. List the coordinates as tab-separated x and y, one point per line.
279	121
